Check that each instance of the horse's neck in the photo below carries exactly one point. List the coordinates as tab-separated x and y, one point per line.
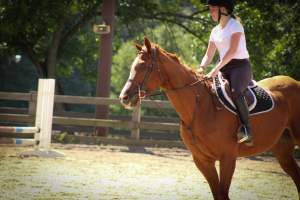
185	100
176	74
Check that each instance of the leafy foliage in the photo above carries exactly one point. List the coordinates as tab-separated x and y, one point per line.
30	28
273	36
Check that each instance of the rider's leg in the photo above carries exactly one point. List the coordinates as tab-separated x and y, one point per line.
244	133
239	80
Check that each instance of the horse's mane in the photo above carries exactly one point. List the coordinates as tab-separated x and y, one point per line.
191	71
175	58
171	55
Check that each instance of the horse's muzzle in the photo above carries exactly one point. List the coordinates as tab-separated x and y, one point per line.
125	100
128	101
129	96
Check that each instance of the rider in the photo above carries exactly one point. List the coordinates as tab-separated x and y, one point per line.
229	39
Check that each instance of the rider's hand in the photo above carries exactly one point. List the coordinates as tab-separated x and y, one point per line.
200	70
212	74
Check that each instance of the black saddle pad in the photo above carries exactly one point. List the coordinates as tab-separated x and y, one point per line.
263	101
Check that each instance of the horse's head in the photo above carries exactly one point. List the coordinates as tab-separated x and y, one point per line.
144	76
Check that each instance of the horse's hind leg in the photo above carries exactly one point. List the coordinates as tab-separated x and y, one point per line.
284	150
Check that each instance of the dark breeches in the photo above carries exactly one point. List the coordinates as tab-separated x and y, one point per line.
238	73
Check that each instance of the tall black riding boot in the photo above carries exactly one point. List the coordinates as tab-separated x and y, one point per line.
244	134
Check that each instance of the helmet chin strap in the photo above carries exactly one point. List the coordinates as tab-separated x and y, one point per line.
220	15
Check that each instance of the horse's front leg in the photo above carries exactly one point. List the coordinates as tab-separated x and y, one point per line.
209	171
227	167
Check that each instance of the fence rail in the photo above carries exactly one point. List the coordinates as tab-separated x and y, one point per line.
135	124
18	96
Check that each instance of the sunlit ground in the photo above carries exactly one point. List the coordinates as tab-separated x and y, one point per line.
114	172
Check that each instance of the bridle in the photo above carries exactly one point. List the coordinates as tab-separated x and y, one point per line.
142	90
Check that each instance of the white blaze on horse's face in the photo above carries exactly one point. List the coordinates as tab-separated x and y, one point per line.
128	100
132	69
143	78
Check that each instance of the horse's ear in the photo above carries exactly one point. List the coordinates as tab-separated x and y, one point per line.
138	47
147	44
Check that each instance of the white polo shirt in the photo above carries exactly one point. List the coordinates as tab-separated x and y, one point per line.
222	37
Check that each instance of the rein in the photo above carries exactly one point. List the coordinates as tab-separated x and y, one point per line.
178	88
142	93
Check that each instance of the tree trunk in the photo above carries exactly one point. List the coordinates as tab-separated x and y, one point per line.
104	66
53	50
52	61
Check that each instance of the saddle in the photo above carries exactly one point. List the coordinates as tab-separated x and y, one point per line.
258	99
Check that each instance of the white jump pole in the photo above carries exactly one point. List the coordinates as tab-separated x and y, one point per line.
44	113
43	123
43	118
16	129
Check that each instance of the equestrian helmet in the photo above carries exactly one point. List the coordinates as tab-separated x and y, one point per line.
229	4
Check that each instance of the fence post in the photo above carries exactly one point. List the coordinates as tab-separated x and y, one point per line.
136	119
32	113
32	104
44	112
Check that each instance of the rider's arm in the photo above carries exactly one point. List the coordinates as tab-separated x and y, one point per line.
234	43
210	52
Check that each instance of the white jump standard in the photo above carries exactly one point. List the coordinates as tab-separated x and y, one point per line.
43	119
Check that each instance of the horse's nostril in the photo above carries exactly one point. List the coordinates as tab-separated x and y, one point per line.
124	98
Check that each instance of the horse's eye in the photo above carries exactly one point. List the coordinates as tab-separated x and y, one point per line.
141	67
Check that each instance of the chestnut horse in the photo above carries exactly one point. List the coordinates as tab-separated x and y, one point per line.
209	132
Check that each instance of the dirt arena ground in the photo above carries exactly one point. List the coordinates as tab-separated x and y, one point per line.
131	173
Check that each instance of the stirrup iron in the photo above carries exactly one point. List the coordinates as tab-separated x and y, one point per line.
244	136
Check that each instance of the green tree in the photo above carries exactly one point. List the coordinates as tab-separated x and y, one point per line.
40	29
56	35
273	36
